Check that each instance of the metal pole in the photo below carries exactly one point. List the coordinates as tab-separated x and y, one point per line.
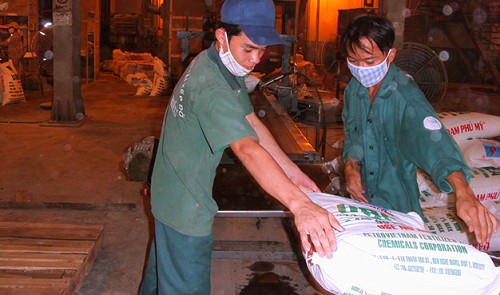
67	104
317	30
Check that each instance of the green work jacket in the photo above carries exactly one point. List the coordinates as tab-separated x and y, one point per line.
207	112
392	137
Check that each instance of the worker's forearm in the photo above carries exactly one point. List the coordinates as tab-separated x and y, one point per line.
268	174
268	142
459	184
352	164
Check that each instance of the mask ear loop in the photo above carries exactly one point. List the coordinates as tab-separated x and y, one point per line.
227	41
221	42
387	57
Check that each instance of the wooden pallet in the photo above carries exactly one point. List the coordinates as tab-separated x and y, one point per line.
45	258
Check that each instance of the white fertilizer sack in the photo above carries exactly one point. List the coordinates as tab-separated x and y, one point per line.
145	87
481	152
10	84
467	125
444	222
387	252
160	85
485	182
159	67
430	195
136	79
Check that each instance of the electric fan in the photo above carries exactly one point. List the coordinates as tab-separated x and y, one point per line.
42	48
425	67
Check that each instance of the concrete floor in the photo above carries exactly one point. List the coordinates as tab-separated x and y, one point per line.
84	165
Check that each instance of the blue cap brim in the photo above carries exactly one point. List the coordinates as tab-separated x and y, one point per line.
262	35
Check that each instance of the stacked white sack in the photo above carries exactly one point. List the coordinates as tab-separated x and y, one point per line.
444	222
160	80
387	252
485	182
469	125
439	207
481	152
474	134
11	86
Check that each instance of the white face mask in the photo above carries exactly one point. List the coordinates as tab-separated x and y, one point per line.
231	64
369	76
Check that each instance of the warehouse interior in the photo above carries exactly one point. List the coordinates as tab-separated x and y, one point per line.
88	96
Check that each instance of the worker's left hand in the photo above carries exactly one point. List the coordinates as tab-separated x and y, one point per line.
477	217
316	228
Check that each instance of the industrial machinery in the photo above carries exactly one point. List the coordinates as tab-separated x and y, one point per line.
425	67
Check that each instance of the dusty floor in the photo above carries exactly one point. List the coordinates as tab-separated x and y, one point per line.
84	165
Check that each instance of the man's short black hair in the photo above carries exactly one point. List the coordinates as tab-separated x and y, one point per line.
231	30
370	26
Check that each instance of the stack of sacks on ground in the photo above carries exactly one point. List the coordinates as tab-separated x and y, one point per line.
143	70
126	63
383	251
160	80
475	135
11	88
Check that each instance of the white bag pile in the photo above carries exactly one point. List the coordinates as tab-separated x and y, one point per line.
11	87
444	222
474	134
387	252
485	182
160	81
143	70
126	63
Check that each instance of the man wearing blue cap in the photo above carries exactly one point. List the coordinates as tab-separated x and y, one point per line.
209	111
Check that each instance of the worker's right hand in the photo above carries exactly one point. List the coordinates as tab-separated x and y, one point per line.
316	228
354	185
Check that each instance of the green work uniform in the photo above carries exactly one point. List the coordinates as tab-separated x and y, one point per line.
207	112
392	137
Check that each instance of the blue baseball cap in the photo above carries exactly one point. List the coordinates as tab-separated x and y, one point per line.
256	18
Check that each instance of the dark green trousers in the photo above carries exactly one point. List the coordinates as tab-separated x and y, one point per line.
178	264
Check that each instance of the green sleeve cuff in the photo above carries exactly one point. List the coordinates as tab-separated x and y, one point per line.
443	169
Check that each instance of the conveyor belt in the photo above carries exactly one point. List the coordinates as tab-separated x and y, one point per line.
235	191
284	130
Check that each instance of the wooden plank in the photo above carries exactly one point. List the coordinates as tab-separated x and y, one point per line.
34	261
90	232
34	274
87	264
46	258
21	245
18	286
